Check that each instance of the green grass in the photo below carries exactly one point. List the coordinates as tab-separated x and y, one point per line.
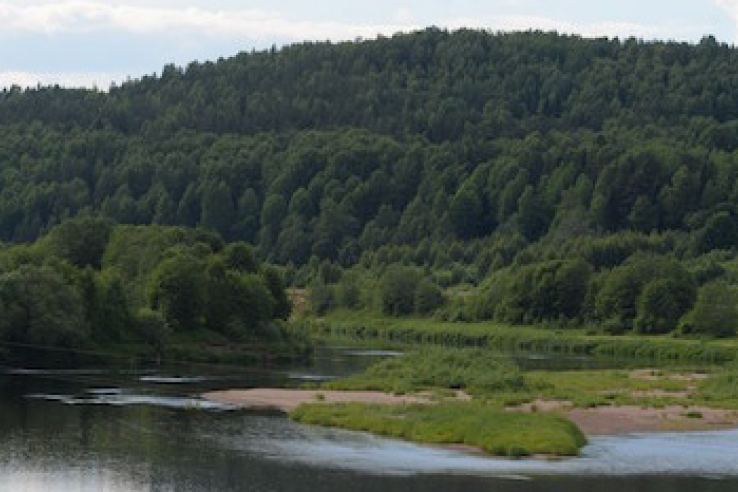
490	376
723	386
361	326
476	371
592	388
487	422
473	424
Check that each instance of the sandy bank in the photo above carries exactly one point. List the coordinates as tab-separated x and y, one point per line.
631	419
605	420
628	419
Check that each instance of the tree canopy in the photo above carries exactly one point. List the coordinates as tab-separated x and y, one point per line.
530	170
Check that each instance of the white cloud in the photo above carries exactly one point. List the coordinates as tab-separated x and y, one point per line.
66	79
90	38
82	17
254	24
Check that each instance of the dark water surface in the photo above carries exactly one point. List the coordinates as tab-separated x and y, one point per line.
64	431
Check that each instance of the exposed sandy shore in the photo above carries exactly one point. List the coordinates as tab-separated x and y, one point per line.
631	419
607	420
627	419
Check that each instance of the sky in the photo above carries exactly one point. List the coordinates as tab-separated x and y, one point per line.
93	42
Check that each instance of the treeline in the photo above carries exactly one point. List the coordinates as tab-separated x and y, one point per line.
500	168
616	284
438	84
89	286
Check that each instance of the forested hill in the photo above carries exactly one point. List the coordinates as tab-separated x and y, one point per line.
440	85
468	146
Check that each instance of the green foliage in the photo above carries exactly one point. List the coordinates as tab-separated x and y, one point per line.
724	385
320	297
40	307
651	292
348	292
134	252
477	425
153	328
370	155
306	159
397	291
714	314
112	317
81	241
720	232
196	294
660	305
240	256
428	297
545	291
177	289
275	285
472	370
361	327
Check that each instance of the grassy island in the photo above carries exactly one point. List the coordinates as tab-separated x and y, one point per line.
450	377
478	425
479	398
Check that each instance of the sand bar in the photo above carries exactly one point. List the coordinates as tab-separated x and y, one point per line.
603	420
629	419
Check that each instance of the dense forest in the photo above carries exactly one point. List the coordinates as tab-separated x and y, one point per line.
90	288
524	177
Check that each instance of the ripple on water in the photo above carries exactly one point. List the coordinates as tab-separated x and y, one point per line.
712	454
173	379
120	398
311	377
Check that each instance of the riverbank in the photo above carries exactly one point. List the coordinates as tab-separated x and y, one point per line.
479	398
358	327
600	420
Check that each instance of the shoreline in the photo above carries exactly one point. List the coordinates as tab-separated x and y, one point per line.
286	400
597	421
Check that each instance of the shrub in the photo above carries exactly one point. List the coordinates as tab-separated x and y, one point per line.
428	297
473	370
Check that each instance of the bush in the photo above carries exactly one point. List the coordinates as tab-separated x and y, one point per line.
348	293
397	291
473	370
715	313
153	328
428	297
320	297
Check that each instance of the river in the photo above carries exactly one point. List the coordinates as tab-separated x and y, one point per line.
99	430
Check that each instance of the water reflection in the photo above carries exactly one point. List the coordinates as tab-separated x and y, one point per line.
703	454
129	431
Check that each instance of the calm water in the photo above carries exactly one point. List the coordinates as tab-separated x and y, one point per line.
138	431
